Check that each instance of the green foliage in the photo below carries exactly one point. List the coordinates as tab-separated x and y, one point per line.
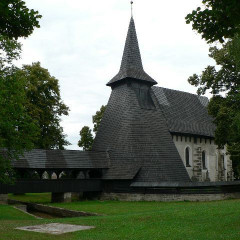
16	20
216	20
225	109
97	118
227	78
9	50
17	129
45	106
86	138
234	50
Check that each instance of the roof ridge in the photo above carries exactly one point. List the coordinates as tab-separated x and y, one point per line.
180	91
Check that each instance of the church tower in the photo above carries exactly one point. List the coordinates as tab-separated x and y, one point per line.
133	130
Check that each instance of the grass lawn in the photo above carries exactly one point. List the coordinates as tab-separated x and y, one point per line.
133	220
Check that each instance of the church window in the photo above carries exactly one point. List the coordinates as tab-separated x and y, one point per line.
204	160
223	162
216	162
187	157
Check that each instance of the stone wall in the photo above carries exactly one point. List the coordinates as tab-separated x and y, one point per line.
217	169
168	197
3	198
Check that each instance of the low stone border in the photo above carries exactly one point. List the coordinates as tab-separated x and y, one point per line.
58	212
23	208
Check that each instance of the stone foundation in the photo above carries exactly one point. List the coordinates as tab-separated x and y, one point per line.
169	197
3	198
61	197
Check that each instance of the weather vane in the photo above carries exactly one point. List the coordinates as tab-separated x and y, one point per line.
132	8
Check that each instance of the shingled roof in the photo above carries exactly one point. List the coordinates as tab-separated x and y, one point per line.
131	66
185	113
133	129
137	140
62	159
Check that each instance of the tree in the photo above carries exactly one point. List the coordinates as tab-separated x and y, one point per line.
97	118
217	20
86	138
220	21
9	50
45	106
224	106
17	129
16	20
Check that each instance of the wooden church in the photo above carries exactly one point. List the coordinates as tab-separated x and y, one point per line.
150	139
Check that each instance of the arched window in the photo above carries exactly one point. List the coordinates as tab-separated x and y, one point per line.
187	157
223	162
204	160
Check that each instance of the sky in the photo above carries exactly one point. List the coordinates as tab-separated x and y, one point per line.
81	44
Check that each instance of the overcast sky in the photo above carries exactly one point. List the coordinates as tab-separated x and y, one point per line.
81	44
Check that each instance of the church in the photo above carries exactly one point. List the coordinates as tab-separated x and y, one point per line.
154	134
152	142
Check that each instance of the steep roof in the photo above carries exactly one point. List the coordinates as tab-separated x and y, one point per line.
137	139
62	159
131	66
185	112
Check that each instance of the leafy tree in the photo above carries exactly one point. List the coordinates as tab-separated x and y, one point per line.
97	118
9	50
18	130
220	21
216	20
224	84
16	20
45	106
234	50
86	138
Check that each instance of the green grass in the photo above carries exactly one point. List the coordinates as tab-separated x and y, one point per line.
134	220
32	197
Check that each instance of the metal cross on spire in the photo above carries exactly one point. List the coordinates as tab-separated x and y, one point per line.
131	8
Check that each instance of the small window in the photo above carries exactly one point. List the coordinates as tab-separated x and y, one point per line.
216	161
223	162
204	160
187	157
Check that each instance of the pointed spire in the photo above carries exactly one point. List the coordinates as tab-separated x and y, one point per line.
131	8
131	66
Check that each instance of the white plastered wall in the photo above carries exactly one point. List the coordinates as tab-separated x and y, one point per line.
214	170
